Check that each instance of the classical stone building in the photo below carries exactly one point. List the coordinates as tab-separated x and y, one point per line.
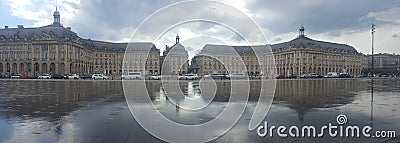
57	49
384	63
301	55
175	59
143	58
234	59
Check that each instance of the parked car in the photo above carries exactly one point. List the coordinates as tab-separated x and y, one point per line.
238	76
217	76
58	76
16	76
191	76
311	75
73	76
344	75
331	75
88	76
292	76
280	77
44	76
181	77
25	77
99	76
155	77
132	75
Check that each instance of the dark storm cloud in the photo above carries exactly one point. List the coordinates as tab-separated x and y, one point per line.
317	15
111	20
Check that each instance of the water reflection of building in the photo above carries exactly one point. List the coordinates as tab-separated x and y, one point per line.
35	101
305	95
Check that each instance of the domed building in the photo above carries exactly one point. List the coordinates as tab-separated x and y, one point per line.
175	59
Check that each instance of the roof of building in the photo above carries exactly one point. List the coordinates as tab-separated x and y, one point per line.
21	33
305	42
226	49
121	47
176	48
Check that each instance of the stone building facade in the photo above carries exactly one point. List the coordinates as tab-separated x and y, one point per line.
384	63
234	59
301	55
175	59
57	49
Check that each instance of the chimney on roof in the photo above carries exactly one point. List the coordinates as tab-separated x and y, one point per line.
6	27
20	26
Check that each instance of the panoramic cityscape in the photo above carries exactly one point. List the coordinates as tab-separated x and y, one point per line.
55	49
133	71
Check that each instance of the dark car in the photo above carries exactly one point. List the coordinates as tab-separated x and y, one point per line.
219	76
88	76
344	75
292	76
58	76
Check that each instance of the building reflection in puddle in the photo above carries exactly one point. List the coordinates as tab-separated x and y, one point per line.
80	110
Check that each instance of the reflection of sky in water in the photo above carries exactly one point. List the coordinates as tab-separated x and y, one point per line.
96	111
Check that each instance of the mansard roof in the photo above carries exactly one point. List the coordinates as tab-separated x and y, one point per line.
21	34
305	42
122	47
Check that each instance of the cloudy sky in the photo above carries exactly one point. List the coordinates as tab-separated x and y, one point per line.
341	21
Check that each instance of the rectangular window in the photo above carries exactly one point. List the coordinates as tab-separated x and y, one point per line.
22	56
29	55
62	55
53	55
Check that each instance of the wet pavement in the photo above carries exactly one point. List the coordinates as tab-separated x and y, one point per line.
96	111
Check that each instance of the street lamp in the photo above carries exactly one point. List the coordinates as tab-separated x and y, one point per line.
372	46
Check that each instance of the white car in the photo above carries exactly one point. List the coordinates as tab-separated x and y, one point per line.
99	76
155	77
15	76
331	75
73	76
238	76
191	76
44	76
132	75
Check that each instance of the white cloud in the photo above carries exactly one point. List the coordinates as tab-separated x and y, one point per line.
41	11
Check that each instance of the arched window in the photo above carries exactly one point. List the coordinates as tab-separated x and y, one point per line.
8	68
44	68
62	68
36	67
